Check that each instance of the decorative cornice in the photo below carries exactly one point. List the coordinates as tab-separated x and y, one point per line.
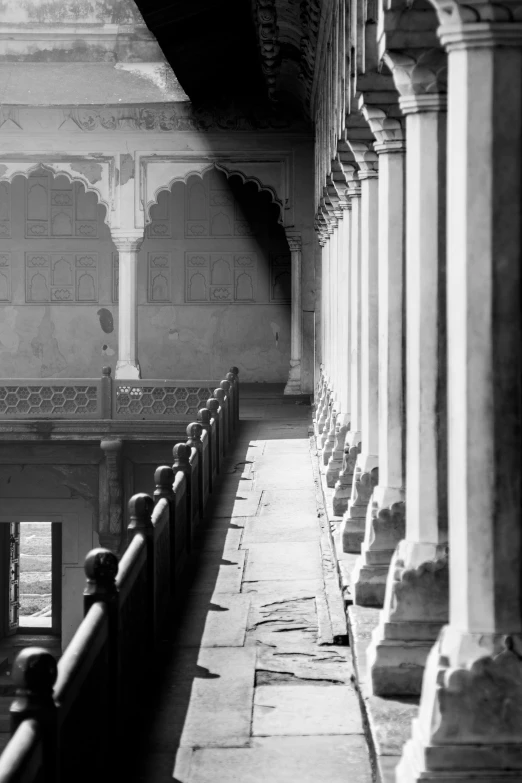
418	73
388	131
366	158
265	18
310	16
162	119
294	242
508	13
127	241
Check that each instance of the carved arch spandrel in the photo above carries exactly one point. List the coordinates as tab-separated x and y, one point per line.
273	175
97	174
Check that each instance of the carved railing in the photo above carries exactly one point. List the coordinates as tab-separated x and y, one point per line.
68	720
105	398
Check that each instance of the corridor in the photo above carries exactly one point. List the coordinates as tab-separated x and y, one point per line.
252	688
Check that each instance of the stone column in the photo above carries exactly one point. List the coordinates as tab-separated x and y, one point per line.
329	440
293	385
335	463
416	600
352	446
385	514
365	475
128	245
110	529
470	719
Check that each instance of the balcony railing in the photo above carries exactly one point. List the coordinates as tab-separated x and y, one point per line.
105	398
69	719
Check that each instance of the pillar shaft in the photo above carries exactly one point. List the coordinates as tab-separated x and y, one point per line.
293	385
416	595
470	719
128	246
384	526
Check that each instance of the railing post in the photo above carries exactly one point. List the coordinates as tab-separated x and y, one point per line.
164	480
101	569
106	393
213	406
204	417
226	386
234	391
194	432
140	514
34	674
181	454
221	397
235	372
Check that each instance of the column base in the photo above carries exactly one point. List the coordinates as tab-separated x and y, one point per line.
335	463
343	486
127	370
415	608
329	443
385	527
470	720
323	437
293	385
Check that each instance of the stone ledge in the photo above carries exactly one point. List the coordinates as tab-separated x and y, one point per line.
387	720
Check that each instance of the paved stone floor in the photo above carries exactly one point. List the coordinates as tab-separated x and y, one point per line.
250	689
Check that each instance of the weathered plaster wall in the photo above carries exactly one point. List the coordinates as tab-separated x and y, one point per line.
213	282
224	273
52	324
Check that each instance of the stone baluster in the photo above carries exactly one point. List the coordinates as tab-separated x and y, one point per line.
34	674
128	244
385	517
366	474
470	718
293	385
194	433
416	599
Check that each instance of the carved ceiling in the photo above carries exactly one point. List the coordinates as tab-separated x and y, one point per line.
236	52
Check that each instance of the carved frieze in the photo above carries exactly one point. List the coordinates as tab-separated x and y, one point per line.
171	118
159	265
61	278
58	208
5	277
229	278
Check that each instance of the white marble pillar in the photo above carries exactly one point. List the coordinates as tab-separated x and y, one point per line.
470	720
293	385
365	474
343	486
385	514
128	244
416	599
329	440
335	463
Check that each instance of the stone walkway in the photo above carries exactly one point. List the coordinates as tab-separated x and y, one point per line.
251	690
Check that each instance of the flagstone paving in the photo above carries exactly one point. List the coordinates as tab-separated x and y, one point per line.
249	692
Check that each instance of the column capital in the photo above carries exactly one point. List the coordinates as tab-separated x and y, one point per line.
294	242
127	241
420	77
480	34
366	158
387	129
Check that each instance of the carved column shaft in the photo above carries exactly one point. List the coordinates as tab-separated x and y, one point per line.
128	246
293	385
385	514
416	598
470	718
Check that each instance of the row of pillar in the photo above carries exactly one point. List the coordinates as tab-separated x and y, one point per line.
420	397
